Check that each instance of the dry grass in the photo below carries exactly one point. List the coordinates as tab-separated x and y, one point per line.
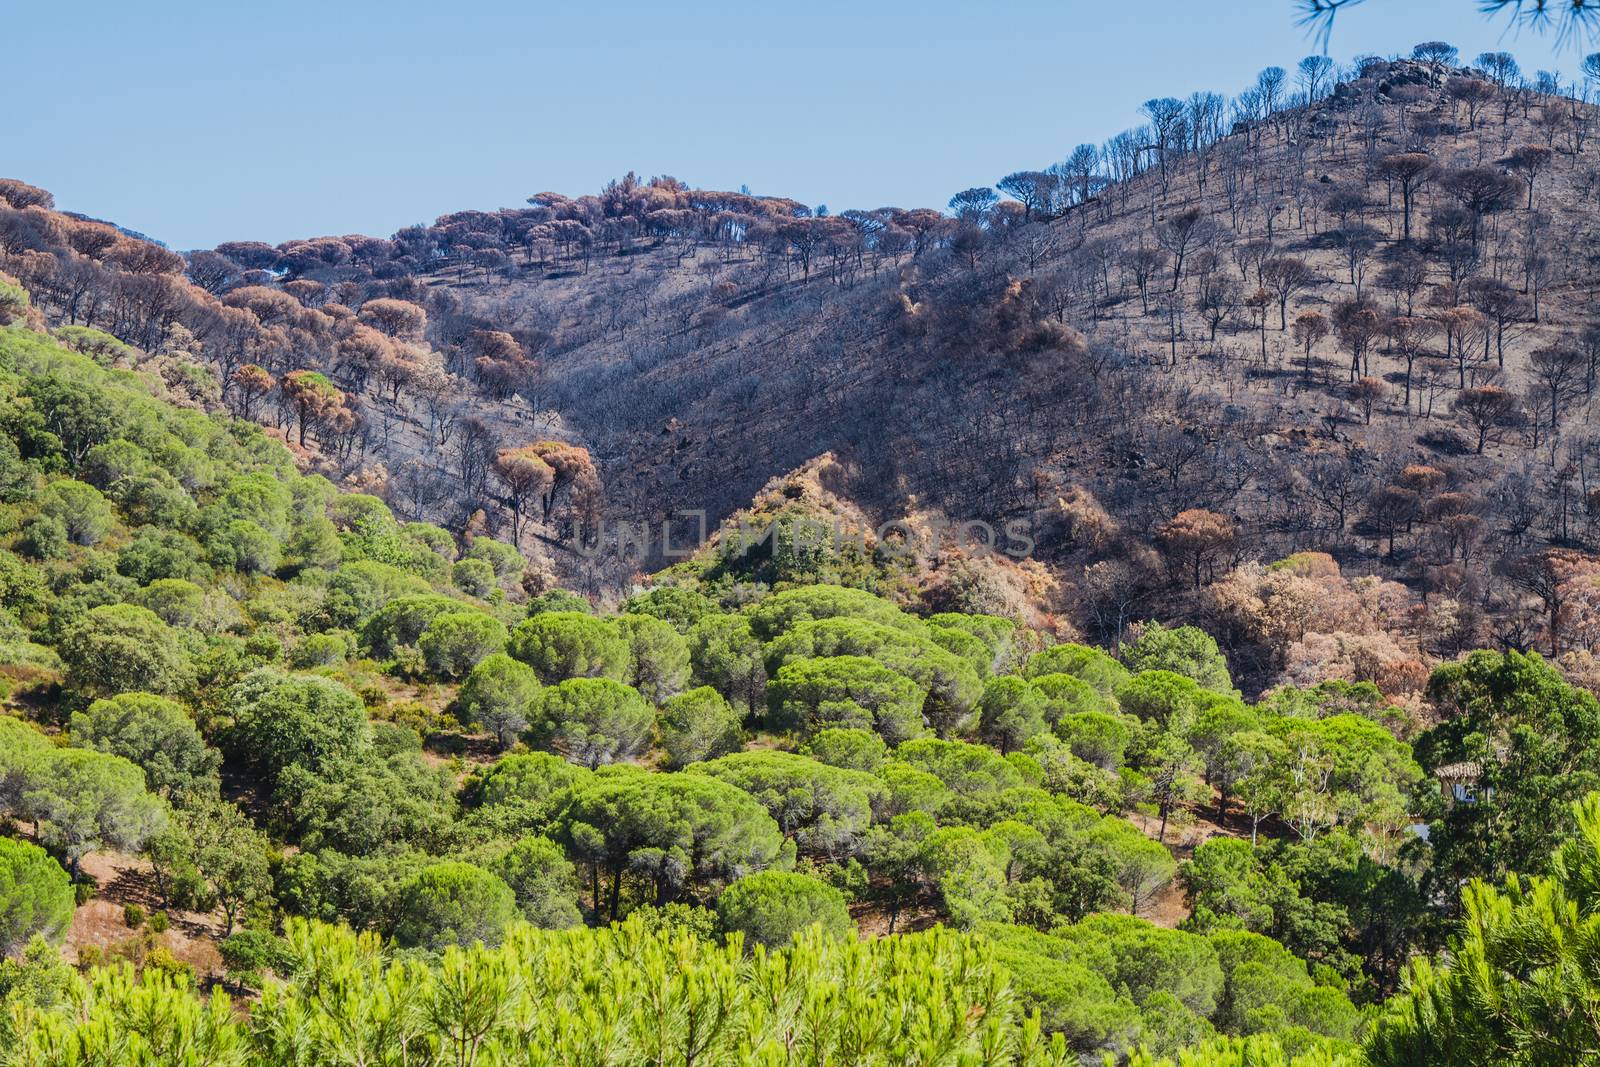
191	937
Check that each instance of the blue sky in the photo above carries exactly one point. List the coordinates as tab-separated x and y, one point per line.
201	122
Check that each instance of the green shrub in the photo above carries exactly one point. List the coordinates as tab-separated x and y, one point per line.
455	641
474	577
251	954
699	725
320	650
560	645
154	733
122	648
500	695
80	509
35	896
505	560
161	960
594	721
771	907
453	903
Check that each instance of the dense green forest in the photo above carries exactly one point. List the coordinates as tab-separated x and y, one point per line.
423	814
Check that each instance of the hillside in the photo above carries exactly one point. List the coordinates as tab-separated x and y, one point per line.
1218	316
1096	622
262	739
240	701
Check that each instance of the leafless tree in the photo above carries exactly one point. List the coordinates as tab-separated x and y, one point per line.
1530	161
1143	264
1180	233
1408	336
1557	374
1411	171
1489	411
1284	276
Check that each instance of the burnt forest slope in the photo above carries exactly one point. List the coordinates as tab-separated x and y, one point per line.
1116	351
